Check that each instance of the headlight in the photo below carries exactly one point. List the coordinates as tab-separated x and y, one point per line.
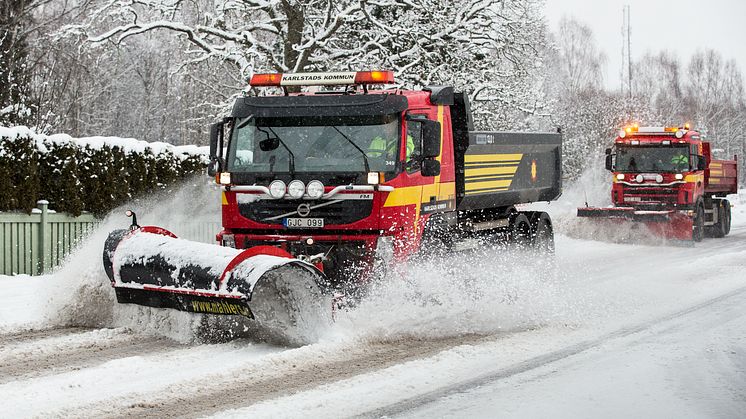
620	176
679	176
225	178
277	189
296	189
315	189
659	178
639	178
622	133
229	240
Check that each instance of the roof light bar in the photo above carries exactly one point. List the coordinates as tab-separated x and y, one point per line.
322	79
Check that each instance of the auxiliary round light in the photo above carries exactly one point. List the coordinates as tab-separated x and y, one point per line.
639	178
680	133
296	189
277	189
315	189
659	178
622	133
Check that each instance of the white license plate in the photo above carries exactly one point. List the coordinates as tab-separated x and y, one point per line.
632	199
303	222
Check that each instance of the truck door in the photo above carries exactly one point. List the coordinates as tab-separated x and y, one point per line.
412	152
435	196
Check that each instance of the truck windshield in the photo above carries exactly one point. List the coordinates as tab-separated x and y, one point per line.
324	144
655	159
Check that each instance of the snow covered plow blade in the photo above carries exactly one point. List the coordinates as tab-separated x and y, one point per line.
669	224
149	266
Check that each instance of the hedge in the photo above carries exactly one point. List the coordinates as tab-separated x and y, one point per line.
93	174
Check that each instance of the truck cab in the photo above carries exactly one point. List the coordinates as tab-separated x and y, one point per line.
666	178
658	168
355	177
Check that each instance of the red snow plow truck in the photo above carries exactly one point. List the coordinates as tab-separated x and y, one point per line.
667	179
320	188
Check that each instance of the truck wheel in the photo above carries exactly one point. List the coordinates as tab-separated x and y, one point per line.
726	217
699	223
543	235
436	237
717	230
520	230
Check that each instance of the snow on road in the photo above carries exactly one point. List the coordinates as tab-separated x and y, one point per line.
693	365
605	330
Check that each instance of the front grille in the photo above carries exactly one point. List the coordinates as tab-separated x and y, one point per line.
338	212
645	194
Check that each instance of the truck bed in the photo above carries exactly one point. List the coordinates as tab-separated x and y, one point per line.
500	169
721	177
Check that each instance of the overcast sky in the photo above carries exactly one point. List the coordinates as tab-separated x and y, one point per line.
681	26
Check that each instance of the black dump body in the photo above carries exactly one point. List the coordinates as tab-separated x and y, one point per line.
500	169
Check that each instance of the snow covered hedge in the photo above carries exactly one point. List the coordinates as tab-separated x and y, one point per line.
92	174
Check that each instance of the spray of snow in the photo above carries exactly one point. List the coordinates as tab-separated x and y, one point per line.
81	294
481	292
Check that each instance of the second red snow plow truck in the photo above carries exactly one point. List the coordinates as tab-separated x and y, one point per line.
667	179
320	188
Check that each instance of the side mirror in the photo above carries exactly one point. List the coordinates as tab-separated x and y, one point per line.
608	151
216	148
269	144
430	167
213	167
430	140
609	162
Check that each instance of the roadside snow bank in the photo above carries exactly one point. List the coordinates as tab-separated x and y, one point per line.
22	304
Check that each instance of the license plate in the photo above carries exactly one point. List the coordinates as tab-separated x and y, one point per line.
632	199
303	222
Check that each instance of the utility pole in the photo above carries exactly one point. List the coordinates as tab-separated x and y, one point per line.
626	72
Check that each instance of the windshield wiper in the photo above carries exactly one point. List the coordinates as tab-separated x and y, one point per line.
290	153
365	157
245	122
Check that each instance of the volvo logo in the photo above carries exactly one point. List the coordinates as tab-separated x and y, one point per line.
304	210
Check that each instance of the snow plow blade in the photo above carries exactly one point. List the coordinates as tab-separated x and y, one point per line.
150	266
669	224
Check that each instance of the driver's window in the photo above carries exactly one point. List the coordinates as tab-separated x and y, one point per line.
413	143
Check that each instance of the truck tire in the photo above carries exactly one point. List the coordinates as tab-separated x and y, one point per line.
726	217
520	230
718	229
437	237
698	229
542	237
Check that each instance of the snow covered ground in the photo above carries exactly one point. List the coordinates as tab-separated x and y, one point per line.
613	330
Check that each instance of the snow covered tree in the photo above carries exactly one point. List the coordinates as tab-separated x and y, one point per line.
488	48
587	113
580	63
659	79
15	104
